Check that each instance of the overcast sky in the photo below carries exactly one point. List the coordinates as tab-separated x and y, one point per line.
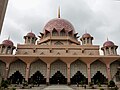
100	18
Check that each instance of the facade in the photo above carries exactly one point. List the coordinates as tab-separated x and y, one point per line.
3	6
58	55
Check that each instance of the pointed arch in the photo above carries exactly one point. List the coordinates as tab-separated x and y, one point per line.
2	68
99	78
54	32
58	65
17	65
62	32
114	68
76	66
38	65
47	33
98	66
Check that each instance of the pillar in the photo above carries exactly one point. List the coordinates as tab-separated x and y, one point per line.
108	72
48	74
27	72
88	72
6	71
68	74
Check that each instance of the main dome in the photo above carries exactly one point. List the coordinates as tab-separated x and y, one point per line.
59	24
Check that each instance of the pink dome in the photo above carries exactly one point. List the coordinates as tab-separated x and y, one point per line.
8	42
86	35
108	44
30	34
59	24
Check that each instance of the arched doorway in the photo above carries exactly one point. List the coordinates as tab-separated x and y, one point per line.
37	78
58	78
58	69
98	68
78	69
17	67
115	70
78	78
99	78
38	70
16	78
2	69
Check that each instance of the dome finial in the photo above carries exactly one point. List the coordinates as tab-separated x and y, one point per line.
59	12
9	37
107	39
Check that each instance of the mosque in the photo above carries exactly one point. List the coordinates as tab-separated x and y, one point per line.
59	56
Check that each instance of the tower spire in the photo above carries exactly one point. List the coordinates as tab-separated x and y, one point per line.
9	37
59	12
107	39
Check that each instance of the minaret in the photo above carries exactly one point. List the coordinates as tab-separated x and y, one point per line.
3	6
30	38
7	47
109	48
86	39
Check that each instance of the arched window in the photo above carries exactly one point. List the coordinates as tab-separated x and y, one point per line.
9	50
28	39
54	32
3	49
32	40
62	33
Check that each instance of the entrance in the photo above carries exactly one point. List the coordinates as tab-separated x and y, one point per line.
37	78
79	78
16	78
99	78
58	78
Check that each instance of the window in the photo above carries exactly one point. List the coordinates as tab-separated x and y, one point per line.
62	33
54	32
9	50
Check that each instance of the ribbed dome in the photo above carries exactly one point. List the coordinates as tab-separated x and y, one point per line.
108	44
8	42
59	24
30	34
86	35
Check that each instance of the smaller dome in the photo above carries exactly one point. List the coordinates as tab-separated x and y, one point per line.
86	35
30	34
8	42
108	44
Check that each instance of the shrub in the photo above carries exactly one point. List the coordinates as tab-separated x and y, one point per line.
111	84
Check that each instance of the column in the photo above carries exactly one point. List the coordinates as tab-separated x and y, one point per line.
6	71
68	74
48	74
27	72
108	72
88	72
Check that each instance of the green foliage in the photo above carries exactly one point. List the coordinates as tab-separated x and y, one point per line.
4	84
111	84
101	89
90	84
13	89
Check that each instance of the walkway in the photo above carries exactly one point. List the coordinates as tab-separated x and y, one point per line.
58	87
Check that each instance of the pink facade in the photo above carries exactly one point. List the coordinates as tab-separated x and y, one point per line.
59	54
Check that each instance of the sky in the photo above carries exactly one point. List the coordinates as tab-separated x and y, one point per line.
100	18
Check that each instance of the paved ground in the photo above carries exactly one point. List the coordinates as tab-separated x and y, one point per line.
59	87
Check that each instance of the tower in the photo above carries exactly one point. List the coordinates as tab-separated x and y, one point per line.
3	6
30	38
7	47
109	48
86	39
